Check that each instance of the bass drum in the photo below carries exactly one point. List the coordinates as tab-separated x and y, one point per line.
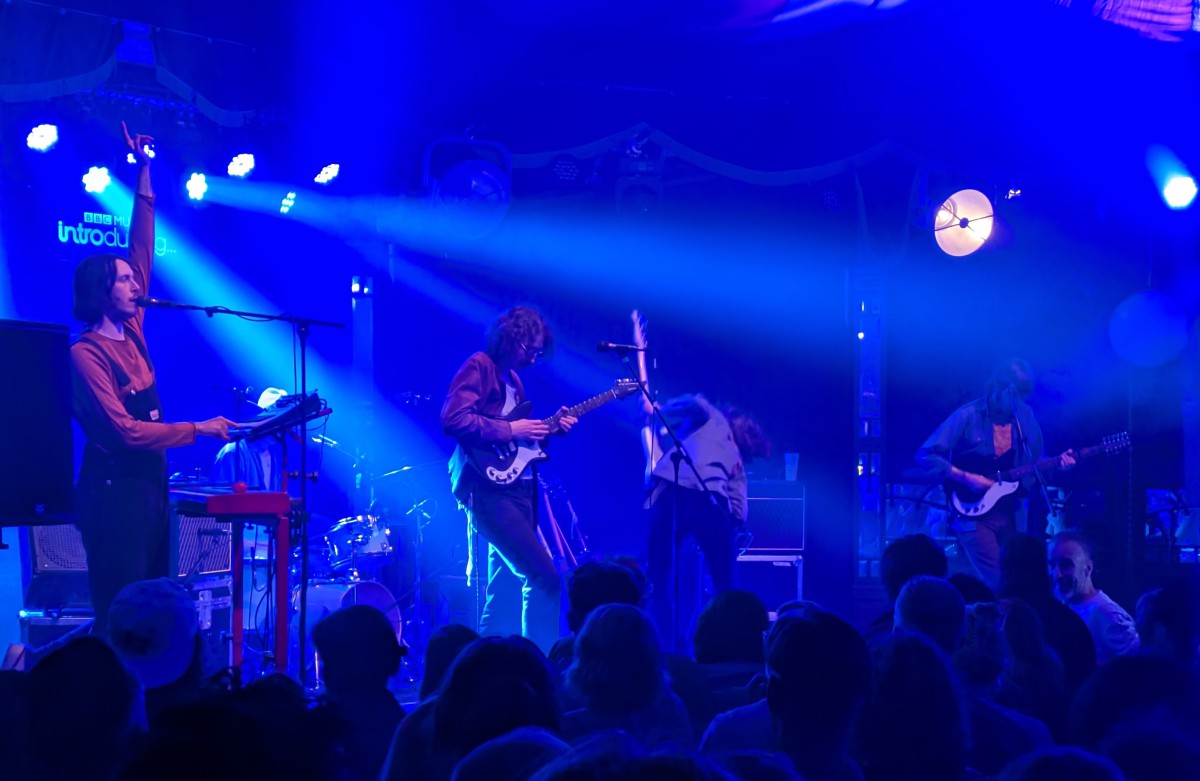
326	597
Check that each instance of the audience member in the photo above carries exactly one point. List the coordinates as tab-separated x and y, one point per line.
15	759
903	559
1112	629
444	646
998	734
619	678
154	628
914	725
1025	576
360	653
1135	690
1062	764
512	757
973	589
932	607
592	584
728	645
1033	682
496	685
818	677
1168	621
85	708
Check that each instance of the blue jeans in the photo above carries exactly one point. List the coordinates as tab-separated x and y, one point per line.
524	588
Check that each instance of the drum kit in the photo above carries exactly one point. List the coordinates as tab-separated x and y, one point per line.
368	559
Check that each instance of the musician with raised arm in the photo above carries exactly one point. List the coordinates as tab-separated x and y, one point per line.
979	440
121	492
519	570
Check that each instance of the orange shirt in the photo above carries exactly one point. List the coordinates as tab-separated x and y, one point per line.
98	401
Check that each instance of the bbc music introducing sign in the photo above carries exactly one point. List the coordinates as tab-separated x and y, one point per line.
105	231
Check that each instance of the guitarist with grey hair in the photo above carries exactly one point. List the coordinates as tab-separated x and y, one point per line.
972	448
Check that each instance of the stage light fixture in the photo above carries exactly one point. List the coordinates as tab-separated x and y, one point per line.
197	186
42	138
96	180
1179	191
241	165
131	158
328	174
287	203
963	223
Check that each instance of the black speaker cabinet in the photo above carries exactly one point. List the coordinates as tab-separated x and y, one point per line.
36	456
775	515
56	565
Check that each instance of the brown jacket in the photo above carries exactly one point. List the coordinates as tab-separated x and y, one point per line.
473	404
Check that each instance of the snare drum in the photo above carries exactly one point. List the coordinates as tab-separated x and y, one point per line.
326	597
357	542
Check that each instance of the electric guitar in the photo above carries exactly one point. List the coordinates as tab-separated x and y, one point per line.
973	504
503	463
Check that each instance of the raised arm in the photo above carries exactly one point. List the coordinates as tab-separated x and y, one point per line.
141	222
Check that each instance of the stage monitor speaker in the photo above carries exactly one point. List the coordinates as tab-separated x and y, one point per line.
775	515
56	564
38	467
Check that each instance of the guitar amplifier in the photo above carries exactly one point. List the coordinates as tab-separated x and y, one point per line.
776	516
55	565
200	545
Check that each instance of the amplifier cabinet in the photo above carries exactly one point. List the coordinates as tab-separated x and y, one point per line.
775	515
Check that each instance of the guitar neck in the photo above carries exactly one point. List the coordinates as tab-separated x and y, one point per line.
579	409
1048	464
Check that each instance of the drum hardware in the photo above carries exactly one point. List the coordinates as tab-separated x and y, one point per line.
326	596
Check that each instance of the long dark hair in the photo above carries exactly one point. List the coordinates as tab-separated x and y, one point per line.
94	278
515	327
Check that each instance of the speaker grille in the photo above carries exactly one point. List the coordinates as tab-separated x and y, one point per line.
201	545
776	515
57	548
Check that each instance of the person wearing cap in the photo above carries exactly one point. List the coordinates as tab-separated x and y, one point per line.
256	463
154	627
121	491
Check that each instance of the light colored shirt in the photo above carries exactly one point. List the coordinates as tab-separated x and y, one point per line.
707	437
1113	630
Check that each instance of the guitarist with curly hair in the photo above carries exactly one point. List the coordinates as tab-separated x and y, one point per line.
523	586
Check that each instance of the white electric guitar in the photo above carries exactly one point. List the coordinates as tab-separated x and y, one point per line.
973	504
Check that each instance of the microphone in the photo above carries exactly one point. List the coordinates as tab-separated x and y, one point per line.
605	347
323	440
159	303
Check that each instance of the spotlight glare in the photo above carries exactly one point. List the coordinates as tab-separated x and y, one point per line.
1179	191
241	165
197	186
96	180
286	204
328	174
42	138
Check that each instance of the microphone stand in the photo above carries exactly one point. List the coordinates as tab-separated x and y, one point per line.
1041	480
679	455
302	325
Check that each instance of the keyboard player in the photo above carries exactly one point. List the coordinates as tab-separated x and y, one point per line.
257	462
